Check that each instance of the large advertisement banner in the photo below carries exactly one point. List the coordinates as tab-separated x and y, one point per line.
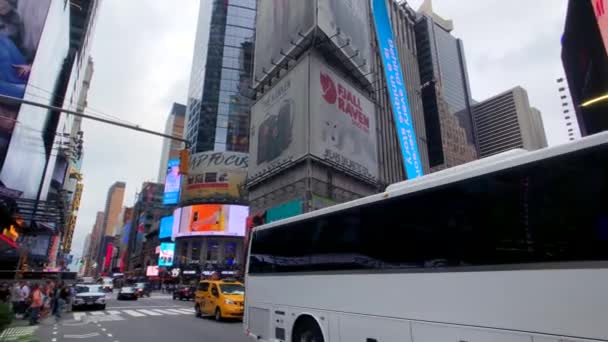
599	8
280	25
172	183
167	253
21	24
396	89
213	219
343	122
279	125
347	22
216	177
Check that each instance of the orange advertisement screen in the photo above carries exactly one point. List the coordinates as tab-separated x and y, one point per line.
213	219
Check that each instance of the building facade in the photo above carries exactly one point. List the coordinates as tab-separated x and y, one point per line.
170	150
217	117
445	91
568	110
113	209
91	262
585	61
507	121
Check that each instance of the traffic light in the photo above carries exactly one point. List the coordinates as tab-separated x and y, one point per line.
184	161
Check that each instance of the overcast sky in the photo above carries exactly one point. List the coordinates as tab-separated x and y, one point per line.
143	52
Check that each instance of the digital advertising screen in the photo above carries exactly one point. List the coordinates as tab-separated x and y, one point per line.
166	227
172	183
167	252
213	219
152	271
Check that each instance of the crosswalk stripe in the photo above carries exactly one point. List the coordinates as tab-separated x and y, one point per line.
165	312
133	313
97	313
113	312
178	311
79	315
149	312
185	311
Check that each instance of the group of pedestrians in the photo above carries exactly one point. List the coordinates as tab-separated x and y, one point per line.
36	301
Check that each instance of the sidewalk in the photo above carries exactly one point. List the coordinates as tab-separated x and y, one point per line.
19	330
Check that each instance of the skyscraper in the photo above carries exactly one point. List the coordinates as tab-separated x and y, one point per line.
174	126
568	110
445	91
113	209
506	121
217	117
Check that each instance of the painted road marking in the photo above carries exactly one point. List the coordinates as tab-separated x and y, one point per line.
185	311
150	312
178	311
113	312
133	313
97	313
79	315
82	336
165	312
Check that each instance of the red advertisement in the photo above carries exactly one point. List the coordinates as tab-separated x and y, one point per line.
109	249
599	8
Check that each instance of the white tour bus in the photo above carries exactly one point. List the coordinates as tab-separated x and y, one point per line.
506	249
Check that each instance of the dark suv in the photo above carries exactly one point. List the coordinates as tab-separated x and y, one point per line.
185	292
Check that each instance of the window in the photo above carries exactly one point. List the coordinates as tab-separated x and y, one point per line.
213	248
215	291
203	286
550	211
196	251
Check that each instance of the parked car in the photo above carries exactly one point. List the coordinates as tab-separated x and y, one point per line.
185	292
127	292
142	289
89	296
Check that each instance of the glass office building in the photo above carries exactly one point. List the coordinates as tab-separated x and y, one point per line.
219	97
445	90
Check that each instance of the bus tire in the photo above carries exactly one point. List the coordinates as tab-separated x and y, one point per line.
306	329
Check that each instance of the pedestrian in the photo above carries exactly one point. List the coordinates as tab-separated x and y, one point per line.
24	298
36	305
15	298
5	293
63	295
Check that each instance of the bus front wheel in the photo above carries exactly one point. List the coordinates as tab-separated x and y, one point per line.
307	330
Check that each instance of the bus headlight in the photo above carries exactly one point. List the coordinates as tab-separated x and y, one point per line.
229	301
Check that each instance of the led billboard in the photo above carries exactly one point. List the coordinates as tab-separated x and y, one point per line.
167	252
152	271
172	183
599	8
213	219
215	177
166	227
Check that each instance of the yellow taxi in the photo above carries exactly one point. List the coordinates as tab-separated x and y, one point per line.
219	298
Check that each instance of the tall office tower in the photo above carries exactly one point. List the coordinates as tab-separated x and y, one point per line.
390	160
95	244
445	91
113	208
585	60
506	121
217	117
175	127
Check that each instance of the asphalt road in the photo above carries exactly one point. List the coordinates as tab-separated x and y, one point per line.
156	319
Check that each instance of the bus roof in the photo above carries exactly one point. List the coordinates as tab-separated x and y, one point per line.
476	168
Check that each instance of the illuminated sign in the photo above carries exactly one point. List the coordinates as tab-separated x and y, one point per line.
213	219
166	227
396	90
152	271
167	252
189	272
172	183
599	8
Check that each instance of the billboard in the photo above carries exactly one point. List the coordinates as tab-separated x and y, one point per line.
347	22
152	271
166	227
284	211
599	8
216	177
342	122
396	90
280	25
279	123
167	252
20	32
172	183
213	219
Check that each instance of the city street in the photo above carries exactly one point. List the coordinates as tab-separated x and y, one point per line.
155	319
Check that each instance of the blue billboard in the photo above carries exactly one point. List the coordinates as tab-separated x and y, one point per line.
172	183
167	252
396	89
166	227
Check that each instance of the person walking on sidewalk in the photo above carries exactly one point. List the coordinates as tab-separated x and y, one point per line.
37	303
16	298
63	295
